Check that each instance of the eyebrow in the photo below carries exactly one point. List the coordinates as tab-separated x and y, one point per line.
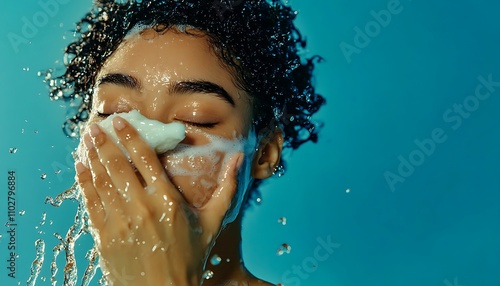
181	87
120	79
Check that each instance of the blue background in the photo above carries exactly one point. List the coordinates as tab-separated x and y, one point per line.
438	227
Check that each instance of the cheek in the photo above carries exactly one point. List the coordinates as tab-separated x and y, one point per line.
195	172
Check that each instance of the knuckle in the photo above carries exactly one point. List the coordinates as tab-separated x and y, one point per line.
101	181
145	214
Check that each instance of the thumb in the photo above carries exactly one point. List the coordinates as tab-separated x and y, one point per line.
213	212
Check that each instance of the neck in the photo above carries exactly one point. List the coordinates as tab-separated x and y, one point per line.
230	267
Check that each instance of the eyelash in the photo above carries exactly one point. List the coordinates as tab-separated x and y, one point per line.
196	124
103	115
202	125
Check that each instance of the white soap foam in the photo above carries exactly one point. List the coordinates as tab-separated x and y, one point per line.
160	136
204	165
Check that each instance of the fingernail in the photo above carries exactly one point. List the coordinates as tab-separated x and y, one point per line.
88	142
118	123
80	168
94	130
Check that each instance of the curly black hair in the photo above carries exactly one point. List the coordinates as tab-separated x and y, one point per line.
255	38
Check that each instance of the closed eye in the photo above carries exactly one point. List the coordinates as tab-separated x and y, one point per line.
103	115
201	125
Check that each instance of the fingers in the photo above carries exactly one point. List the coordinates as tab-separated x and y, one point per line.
102	182
145	160
92	200
117	166
214	211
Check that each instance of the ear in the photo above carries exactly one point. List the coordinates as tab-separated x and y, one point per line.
268	155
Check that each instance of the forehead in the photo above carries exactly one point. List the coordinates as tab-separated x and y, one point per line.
169	55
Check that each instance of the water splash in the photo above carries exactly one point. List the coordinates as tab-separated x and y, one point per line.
37	264
71	194
282	220
44	217
284	248
53	265
67	244
91	256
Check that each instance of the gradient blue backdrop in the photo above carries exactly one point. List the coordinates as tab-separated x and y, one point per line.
439	227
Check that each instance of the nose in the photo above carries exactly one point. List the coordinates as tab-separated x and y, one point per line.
154	105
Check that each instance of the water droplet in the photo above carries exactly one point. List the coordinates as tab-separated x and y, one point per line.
36	131
208	274
215	260
37	264
348	191
44	216
279	171
26	69
284	248
58	172
43	176
22	212
282	220
258	200
12	150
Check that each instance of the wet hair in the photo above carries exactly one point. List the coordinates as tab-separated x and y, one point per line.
256	39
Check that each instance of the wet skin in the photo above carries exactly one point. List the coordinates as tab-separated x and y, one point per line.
163	237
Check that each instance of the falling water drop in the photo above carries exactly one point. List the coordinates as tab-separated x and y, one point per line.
215	260
284	248
282	220
208	274
348	190
43	176
12	150
22	212
44	216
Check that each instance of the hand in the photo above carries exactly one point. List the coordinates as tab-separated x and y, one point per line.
145	232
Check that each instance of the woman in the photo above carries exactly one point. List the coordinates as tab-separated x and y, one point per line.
230	72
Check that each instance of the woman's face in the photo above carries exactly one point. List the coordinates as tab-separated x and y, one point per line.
173	76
